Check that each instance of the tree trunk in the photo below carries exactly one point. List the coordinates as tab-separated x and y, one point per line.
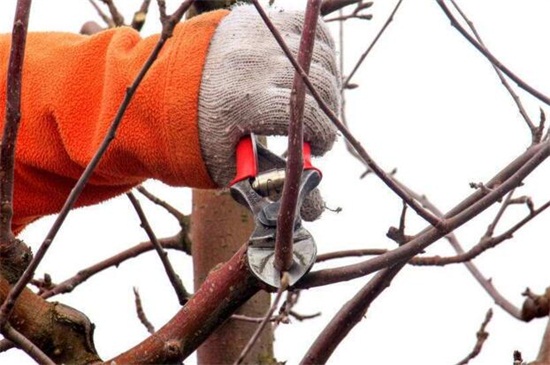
219	227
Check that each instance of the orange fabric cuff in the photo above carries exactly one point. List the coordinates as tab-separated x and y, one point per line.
73	86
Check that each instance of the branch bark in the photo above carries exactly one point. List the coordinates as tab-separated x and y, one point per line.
295	165
223	291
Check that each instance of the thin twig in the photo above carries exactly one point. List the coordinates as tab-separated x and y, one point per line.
12	118
536	133
266	319
348	316
141	313
371	46
330	6
294	166
483	245
485	52
177	242
343	18
167	30
118	19
491	228
108	21
434	221
182	294
481	336
487	284
169	208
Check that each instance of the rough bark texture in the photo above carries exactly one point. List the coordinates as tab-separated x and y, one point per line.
225	289
62	333
219	227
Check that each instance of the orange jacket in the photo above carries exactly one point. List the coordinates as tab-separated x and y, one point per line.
72	88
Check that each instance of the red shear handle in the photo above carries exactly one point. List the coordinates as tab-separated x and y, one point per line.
307	159
247	161
247	165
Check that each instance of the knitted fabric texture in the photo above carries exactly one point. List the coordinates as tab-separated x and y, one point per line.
246	86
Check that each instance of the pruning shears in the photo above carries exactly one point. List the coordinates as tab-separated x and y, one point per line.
256	191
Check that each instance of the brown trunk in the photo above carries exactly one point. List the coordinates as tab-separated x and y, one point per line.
219	227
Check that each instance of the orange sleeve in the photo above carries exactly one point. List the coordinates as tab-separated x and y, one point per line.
72	88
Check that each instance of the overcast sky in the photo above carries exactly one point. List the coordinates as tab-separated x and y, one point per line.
427	104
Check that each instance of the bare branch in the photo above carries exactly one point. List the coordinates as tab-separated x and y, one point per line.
141	313
141	15
536	133
543	357
482	336
371	46
487	284
224	290
182	294
266	319
177	242
485	52
351	313
118	19
108	21
12	118
330	6
182	218
294	166
516	172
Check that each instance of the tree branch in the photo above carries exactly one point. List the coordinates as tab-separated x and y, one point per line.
177	242
346	83
330	6
224	290
182	294
454	219
291	189
482	336
347	317
485	52
536	132
12	118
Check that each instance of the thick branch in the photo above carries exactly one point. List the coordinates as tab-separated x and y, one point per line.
64	334
225	289
347	317
454	219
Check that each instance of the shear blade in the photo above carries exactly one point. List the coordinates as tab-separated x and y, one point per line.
261	261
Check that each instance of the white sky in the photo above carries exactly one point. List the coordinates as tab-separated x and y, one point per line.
429	105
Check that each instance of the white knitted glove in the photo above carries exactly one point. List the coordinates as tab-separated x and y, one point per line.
246	86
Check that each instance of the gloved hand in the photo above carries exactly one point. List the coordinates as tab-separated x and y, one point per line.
246	86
